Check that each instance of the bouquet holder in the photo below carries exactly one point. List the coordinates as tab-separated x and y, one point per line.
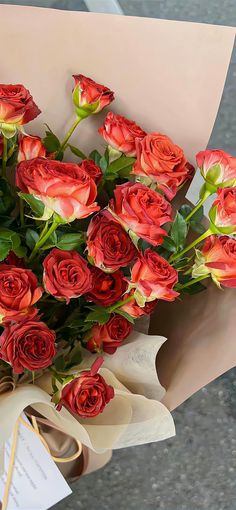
168	76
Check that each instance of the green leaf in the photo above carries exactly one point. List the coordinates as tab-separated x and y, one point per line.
59	363
7	201
179	231
103	163
168	244
77	152
5	247
51	241
181	264
50	141
74	357
20	251
194	289
125	314
185	210
120	168
95	156
198	215
197	227
70	241
31	238
99	314
35	204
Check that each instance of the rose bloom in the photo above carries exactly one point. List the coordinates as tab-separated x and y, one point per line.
109	336
30	147
109	246
217	167
90	97
163	162
28	345
223	211
93	170
217	257
87	395
66	274
141	210
64	188
107	289
121	133
19	291
16	107
134	310
153	277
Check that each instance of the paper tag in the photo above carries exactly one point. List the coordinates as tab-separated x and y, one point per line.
37	483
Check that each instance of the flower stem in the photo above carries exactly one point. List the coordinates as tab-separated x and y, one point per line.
119	304
190	246
21	207
69	133
199	204
43	239
4	157
191	282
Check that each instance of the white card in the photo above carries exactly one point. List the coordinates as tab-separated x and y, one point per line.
37	483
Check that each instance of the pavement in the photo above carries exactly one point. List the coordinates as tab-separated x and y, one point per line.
196	469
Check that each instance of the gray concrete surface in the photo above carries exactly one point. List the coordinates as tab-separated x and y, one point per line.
196	469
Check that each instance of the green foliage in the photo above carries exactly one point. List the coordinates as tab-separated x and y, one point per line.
50	141
179	230
125	314
98	314
31	238
95	156
7	200
10	241
36	205
120	168
77	152
70	241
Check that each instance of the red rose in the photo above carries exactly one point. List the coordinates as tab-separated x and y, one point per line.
223	211
27	345
163	162
109	336
87	395
141	211
109	246
19	290
30	147
133	309
217	258
66	274
64	188
13	260
107	289
121	133
153	277
90	97
93	170
16	107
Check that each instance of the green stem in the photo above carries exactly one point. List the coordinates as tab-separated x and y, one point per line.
190	246
70	132
199	204
119	304
22	218
4	157
45	229
191	282
43	240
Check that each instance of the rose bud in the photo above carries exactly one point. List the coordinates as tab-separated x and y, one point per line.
223	211
93	170
217	258
153	277
13	260
109	246
217	168
64	188
107	289
87	395
134	310
28	345
121	133
90	97
66	274
141	211
30	147
16	108
109	336
161	161
19	291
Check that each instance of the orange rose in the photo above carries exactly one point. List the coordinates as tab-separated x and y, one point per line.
217	258
90	97
161	161
30	147
121	133
16	108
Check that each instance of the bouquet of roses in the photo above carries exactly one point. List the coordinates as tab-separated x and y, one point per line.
88	247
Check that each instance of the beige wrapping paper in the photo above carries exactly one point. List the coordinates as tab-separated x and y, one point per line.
168	76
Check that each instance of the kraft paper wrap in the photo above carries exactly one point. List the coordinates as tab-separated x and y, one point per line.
168	76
